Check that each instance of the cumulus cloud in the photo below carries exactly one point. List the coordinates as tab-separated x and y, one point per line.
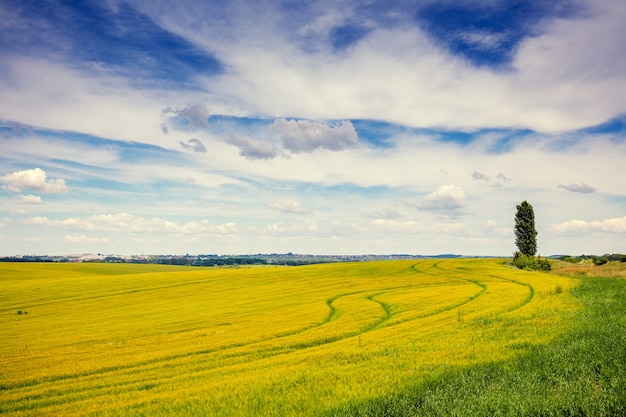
447	198
192	117
575	226
32	179
578	188
289	207
307	136
28	199
296	136
253	148
193	145
125	222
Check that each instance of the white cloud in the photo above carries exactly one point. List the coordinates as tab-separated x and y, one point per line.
408	227
578	188
503	231
206	227
84	239
42	149
289	207
574	73
389	213
194	145
192	117
28	199
571	75
32	179
253	148
307	136
446	198
556	76
483	40
480	176
125	222
57	96
502	177
392	225
613	225
292	229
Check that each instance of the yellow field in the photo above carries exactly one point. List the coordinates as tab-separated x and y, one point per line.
114	339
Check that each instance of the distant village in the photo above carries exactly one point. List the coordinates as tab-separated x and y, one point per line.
218	260
289	259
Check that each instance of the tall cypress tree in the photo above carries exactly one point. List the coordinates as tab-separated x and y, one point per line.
525	232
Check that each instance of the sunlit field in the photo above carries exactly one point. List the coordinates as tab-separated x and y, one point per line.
116	339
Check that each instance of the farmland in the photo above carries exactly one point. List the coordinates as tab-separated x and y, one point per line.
344	338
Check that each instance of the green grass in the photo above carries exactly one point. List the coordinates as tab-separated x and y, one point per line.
582	373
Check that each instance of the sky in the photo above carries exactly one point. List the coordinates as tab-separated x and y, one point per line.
318	127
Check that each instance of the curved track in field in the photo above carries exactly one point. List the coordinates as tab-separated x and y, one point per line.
350	315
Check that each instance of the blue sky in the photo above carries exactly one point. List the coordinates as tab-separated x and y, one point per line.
326	127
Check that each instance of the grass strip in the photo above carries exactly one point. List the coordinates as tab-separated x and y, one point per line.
583	373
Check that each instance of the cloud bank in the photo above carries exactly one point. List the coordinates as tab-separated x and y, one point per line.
379	126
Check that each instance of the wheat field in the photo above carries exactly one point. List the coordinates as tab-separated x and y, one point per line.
119	339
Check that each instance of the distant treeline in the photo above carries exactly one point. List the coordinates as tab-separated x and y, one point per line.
597	260
31	259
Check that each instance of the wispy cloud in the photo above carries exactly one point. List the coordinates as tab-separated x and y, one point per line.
193	145
578	188
253	148
388	213
480	176
289	207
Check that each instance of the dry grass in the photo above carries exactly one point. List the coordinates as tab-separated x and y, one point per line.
587	268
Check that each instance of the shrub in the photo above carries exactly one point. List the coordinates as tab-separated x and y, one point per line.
600	260
542	264
530	263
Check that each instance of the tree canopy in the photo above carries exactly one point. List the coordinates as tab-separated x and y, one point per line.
525	232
